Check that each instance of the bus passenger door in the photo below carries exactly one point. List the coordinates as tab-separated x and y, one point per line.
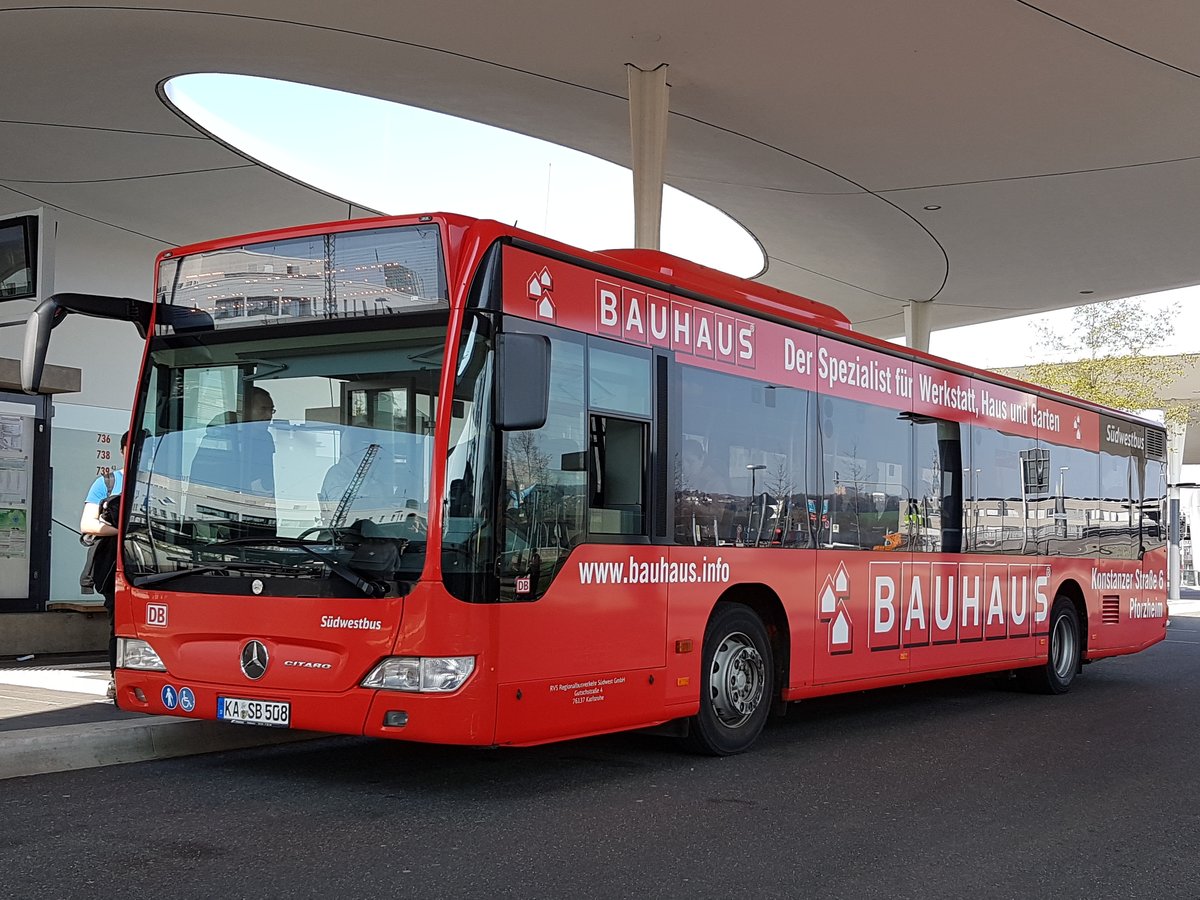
580	630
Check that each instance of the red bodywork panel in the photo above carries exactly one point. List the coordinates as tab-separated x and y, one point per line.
616	640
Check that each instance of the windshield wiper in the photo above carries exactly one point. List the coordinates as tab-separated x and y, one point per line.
265	542
160	577
370	588
226	568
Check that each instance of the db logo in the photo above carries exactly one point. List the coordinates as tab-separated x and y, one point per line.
524	585
156	614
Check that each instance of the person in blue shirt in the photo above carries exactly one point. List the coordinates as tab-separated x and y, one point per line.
104	555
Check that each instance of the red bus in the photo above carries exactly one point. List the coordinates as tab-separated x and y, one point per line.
438	479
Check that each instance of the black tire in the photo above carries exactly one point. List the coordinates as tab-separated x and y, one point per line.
1062	659
737	682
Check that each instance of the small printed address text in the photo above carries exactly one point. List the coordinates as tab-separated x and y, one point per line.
586	691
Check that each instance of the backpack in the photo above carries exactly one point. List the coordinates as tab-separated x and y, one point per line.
87	578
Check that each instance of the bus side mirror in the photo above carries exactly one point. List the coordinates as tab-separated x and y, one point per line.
54	309
37	341
522	380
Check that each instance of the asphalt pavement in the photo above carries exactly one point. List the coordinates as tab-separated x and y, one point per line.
54	717
963	787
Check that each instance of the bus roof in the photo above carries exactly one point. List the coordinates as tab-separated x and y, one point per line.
657	268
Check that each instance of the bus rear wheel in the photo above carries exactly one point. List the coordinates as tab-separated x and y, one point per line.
1062	661
736	683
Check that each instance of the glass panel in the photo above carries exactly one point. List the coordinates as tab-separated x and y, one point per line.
1067	516
18	430
249	445
545	481
866	457
741	473
1116	531
18	258
1154	501
1001	515
468	521
618	378
933	521
340	275
618	454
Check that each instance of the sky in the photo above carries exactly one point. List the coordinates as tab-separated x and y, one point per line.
401	160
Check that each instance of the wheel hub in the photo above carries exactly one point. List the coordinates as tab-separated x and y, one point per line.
737	680
1062	648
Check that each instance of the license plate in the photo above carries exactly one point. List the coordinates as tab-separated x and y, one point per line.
254	712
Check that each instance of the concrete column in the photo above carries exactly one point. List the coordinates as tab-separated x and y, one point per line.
918	316
648	107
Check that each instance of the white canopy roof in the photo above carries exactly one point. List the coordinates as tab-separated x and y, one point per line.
996	158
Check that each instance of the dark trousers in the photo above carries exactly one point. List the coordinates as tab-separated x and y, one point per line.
112	632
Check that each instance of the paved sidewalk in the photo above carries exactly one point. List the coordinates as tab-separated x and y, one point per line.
1185	607
54	717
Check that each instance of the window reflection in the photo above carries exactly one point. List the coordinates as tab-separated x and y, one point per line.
866	460
1153	507
1067	518
1115	529
283	440
740	474
545	481
999	516
934	516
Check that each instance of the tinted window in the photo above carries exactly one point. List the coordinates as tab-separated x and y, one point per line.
18	258
934	520
1115	530
618	378
339	275
866	459
544	480
1066	516
1154	490
999	518
740	472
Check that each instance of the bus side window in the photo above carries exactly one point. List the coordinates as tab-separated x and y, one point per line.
618	465
618	445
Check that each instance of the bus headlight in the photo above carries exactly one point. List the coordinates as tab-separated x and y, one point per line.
135	654
425	674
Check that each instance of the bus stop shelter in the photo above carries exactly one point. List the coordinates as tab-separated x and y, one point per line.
919	165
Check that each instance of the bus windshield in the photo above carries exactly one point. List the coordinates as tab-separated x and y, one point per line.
276	454
350	274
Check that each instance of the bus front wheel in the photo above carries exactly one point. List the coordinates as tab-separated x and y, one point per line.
736	683
1062	662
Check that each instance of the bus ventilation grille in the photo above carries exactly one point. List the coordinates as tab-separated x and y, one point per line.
1156	443
1110	612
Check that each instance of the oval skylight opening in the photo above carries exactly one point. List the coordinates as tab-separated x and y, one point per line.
399	159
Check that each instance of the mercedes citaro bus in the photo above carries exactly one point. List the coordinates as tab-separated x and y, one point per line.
438	479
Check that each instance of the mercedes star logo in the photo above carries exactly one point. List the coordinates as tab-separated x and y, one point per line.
254	660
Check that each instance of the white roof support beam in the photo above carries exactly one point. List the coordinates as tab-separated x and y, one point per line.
918	316
648	108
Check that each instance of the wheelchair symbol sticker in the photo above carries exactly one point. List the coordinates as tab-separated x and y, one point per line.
187	700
